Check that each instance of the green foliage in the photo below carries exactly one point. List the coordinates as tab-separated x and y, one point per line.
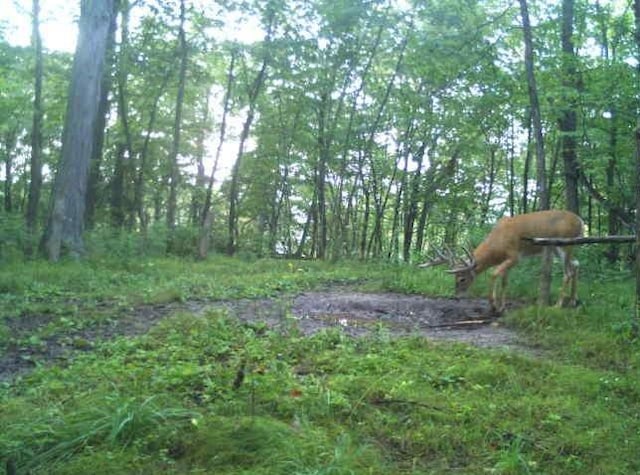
206	393
12	237
55	435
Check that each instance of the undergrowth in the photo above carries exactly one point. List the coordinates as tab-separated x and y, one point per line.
207	394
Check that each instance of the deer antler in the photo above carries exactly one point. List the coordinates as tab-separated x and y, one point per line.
439	257
465	264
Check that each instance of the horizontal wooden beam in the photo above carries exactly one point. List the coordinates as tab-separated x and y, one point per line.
580	240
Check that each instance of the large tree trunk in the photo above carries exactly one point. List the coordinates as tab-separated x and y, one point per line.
567	120
36	132
66	217
541	180
95	176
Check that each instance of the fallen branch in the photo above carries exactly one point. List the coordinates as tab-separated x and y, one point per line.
462	323
580	240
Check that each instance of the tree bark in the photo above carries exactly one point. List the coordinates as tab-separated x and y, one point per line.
66	217
139	189
319	230
201	180
636	10
207	212
637	312
103	109
567	121
36	131
376	188
120	202
234	191
10	138
174	176
412	198
541	180
524	205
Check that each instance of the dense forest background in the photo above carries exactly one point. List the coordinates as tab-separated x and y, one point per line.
351	129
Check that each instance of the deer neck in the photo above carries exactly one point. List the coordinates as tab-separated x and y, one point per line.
487	256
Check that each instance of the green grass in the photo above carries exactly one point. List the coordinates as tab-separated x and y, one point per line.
205	394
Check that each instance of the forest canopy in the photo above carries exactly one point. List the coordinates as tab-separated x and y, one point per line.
323	129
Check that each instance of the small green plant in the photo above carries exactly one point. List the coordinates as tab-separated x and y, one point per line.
204	392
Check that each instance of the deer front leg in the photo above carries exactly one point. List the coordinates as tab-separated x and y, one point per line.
492	292
500	278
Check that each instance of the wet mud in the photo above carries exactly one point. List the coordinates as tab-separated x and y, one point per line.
356	313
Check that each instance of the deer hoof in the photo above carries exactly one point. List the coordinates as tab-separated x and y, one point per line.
495	311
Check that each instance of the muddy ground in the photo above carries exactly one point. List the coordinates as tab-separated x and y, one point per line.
357	313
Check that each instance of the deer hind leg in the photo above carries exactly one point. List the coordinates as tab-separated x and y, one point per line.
574	267
569	280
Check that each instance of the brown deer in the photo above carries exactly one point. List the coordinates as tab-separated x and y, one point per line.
507	242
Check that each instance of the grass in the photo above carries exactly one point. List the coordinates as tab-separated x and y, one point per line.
206	394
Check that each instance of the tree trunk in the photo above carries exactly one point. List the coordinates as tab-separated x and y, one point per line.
541	180
376	188
637	313
10	138
568	119
117	188
524	206
320	206
511	158
99	132
636	9
411	208
139	187
174	176
401	208
493	171
207	212
120	200
201	180
234	191
342	219
66	217
36	133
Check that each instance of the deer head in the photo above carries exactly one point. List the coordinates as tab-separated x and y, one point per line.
464	272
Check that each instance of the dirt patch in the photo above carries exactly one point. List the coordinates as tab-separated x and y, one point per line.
356	313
